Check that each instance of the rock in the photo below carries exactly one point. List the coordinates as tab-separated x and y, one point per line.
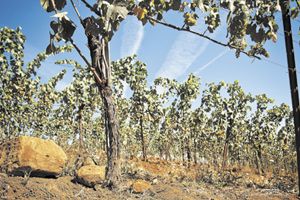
24	154
91	175
2	175
88	161
140	186
155	181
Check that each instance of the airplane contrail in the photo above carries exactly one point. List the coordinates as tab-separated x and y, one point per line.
212	61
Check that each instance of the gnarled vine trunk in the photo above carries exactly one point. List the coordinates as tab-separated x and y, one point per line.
195	150
258	160
102	72
112	139
228	137
80	128
144	150
226	145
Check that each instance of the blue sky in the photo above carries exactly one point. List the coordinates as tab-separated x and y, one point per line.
165	51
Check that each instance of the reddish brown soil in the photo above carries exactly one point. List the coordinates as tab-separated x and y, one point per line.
169	180
65	188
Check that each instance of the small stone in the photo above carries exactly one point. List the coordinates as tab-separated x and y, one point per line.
140	186
88	161
155	181
98	187
2	175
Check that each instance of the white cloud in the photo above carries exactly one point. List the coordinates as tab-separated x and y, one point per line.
131	41
184	51
220	55
132	37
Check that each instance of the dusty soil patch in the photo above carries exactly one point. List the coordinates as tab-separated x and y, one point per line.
65	188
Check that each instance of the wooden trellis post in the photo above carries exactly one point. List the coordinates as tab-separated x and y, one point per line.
285	7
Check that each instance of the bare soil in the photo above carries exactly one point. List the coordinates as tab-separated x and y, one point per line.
169	181
67	188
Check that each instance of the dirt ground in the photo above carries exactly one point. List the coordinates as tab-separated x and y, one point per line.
168	180
66	188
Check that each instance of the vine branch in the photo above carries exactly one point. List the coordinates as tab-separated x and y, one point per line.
91	8
201	35
80	53
71	40
77	13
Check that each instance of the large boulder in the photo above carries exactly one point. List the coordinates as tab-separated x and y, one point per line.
91	175
24	154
